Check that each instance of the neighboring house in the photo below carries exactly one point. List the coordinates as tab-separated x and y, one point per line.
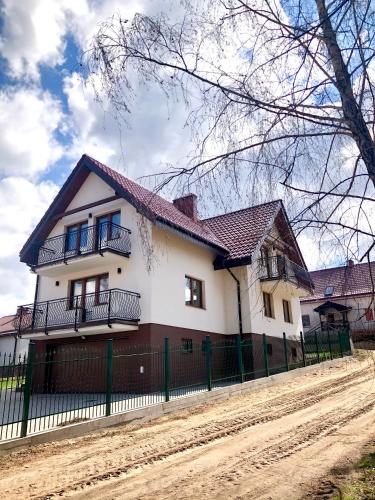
343	297
114	260
11	347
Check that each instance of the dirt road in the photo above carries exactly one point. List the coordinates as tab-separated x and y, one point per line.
275	443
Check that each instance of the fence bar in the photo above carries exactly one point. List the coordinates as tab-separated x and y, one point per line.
317	347
209	363
166	368
303	348
27	388
239	357
286	352
108	395
329	345
265	355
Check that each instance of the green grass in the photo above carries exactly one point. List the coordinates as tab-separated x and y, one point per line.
360	484
10	383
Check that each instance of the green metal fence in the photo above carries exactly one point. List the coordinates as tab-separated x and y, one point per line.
76	382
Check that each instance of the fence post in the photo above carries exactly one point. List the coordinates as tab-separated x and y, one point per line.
317	347
329	345
340	344
265	355
27	388
239	357
286	352
303	349
108	395
209	363
166	368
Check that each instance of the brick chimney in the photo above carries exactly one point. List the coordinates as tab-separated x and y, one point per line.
187	205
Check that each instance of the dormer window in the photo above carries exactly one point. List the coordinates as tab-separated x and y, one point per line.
329	290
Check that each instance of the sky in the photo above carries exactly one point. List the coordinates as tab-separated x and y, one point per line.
49	118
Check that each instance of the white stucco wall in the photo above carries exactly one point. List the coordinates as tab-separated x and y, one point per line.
280	290
7	343
156	268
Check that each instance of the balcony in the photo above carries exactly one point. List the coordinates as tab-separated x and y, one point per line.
280	267
91	313
89	240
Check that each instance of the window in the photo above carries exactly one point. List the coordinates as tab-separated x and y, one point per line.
187	345
287	311
306	320
294	352
265	260
269	349
329	290
267	303
108	227
76	237
87	292
193	292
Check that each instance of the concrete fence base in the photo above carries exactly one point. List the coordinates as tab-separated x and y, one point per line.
146	414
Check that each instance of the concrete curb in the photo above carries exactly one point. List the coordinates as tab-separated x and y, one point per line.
152	412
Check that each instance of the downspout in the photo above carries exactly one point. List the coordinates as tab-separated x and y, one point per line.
238	299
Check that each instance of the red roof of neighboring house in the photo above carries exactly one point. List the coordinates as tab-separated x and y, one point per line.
358	279
6	324
234	235
241	231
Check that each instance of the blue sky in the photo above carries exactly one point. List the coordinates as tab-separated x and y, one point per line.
49	118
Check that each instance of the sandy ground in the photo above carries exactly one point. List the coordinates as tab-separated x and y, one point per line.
277	443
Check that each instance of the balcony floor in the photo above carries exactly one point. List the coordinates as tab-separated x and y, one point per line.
85	262
86	330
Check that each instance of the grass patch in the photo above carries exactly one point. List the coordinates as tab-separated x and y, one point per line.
360	484
11	383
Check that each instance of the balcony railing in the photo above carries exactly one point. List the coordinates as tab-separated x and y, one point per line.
79	310
83	241
280	267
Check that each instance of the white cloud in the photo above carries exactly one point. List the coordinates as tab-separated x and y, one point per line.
22	205
28	120
152	140
34	32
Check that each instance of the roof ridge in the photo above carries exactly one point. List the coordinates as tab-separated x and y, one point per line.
243	209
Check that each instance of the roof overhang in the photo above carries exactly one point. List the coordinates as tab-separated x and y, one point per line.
331	305
70	189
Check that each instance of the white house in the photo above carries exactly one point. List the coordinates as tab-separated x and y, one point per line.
114	260
343	296
12	348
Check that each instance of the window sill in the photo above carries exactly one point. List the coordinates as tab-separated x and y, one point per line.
196	307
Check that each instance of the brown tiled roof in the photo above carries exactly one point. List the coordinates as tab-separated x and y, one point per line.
162	209
346	280
234	235
6	324
241	231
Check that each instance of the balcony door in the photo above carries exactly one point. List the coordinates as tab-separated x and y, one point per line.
108	228
87	293
76	240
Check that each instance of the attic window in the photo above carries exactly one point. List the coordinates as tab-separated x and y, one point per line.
329	290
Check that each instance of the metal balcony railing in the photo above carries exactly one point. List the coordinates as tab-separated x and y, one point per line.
83	241
79	310
280	267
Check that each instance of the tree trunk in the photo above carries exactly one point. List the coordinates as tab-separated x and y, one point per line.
351	110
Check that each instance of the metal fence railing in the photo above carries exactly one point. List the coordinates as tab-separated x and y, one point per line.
67	383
